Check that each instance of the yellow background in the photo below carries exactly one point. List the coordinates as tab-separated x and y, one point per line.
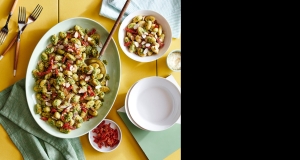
54	12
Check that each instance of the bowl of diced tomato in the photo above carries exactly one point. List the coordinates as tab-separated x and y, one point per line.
106	137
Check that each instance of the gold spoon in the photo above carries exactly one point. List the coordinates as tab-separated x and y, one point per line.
89	61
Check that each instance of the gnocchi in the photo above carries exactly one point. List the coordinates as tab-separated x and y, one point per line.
144	36
67	90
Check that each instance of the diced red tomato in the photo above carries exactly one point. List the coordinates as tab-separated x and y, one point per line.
68	126
53	110
48	69
56	72
69	35
161	44
84	43
54	94
88	117
127	44
131	30
83	96
64	59
90	90
44	118
44	96
69	88
91	32
105	135
83	109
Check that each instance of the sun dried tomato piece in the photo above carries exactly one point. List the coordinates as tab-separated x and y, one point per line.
51	59
131	30
53	110
64	59
44	118
84	109
68	126
84	43
83	96
53	95
90	91
127	44
91	32
105	135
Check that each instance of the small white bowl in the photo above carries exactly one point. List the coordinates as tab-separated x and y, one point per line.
104	148
174	60
166	30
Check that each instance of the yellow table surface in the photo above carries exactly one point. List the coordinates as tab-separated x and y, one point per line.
54	12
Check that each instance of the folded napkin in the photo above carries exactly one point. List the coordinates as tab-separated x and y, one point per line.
170	9
31	140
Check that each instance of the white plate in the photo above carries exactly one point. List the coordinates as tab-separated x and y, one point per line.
154	103
113	125
113	67
127	111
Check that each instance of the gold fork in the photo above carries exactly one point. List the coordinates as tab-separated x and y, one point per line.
32	17
4	30
21	24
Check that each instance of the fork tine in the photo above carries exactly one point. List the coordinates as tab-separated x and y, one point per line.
24	15
20	14
36	12
1	34
21	23
2	37
4	29
32	17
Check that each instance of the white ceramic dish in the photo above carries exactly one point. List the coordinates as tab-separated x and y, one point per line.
166	30
113	125
174	60
155	103
113	67
127	111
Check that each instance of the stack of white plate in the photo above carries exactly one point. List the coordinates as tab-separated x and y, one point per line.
153	104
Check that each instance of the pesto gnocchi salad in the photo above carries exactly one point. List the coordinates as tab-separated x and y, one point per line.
69	91
144	36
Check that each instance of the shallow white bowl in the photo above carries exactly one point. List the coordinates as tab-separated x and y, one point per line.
154	103
166	29
113	125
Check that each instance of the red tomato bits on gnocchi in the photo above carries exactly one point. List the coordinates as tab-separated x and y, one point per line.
69	91
144	36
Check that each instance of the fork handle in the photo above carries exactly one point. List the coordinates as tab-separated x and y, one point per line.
17	53
12	43
13	7
114	28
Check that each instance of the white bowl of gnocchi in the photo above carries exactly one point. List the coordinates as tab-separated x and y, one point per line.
145	35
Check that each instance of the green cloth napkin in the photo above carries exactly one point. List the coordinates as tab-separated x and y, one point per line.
156	145
31	140
170	9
